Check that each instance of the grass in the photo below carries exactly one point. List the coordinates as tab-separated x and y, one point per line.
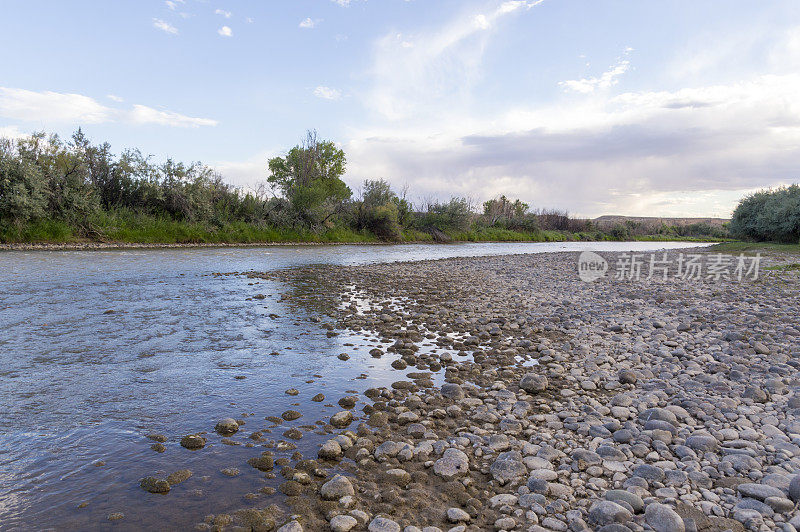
785	267
125	226
674	238
47	231
755	247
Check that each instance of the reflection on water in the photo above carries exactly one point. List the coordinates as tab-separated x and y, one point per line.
100	348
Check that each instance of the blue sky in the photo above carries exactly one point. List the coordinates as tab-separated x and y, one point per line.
600	107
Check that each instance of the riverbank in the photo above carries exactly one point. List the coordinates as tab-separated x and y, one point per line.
88	245
665	405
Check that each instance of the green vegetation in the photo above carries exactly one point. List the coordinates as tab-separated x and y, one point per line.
769	216
785	267
57	191
752	248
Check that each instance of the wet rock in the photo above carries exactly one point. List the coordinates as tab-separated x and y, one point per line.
179	476
291	415
294	434
291	488
452	391
265	462
342	419
226	426
533	383
318	398
154	485
348	401
330	450
378	419
336	488
193	441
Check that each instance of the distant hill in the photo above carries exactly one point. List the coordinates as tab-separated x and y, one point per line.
610	220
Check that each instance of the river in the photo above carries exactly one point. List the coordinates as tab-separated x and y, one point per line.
100	348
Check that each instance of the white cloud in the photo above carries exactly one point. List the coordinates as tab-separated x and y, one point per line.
115	98
225	31
309	23
481	22
226	14
327	93
433	69
48	108
11	132
250	20
173	4
164	26
343	3
688	152
606	80
141	114
21	104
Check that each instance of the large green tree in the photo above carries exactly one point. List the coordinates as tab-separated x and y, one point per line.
309	177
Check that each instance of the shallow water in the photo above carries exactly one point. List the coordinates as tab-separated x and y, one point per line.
99	348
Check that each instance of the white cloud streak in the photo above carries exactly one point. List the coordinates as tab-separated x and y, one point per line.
165	26
327	93
309	23
222	12
225	31
50	108
606	80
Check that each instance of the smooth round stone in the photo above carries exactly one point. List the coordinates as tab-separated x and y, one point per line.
336	488
226	426
759	491
343	523
457	515
632	499
662	518
606	512
382	524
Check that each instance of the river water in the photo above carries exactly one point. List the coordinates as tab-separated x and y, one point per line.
100	348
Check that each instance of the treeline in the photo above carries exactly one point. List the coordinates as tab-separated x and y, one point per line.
55	189
769	216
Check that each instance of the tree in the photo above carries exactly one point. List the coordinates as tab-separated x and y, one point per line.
502	208
309	177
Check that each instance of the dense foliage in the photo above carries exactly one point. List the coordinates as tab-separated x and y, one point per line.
53	189
769	216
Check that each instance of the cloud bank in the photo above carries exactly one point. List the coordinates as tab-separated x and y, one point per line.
48	107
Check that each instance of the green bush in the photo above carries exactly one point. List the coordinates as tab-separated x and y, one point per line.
769	216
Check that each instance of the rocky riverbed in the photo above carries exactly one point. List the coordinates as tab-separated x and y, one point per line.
616	405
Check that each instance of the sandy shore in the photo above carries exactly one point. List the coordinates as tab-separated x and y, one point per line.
617	405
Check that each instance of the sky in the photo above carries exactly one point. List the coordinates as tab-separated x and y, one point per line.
598	107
